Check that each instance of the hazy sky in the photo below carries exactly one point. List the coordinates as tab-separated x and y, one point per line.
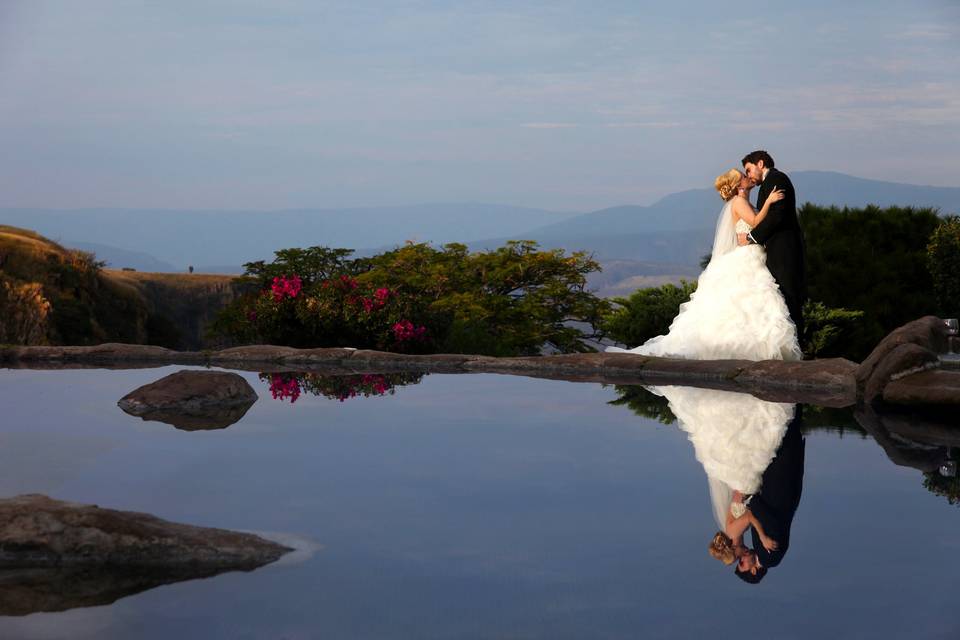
564	105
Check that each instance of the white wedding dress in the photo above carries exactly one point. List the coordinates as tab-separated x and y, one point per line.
734	435
737	311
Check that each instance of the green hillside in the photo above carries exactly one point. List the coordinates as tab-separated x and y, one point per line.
50	294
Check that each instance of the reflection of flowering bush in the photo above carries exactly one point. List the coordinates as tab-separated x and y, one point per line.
283	387
291	385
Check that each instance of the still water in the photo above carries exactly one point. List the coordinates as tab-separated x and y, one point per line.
476	506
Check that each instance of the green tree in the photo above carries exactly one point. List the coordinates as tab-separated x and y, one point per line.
943	261
873	260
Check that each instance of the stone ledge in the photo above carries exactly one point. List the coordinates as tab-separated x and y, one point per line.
828	382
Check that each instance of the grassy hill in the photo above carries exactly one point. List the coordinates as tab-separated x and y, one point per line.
51	294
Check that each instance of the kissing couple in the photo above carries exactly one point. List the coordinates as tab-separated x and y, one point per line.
749	299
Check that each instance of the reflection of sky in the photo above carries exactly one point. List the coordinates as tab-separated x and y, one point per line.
565	105
472	506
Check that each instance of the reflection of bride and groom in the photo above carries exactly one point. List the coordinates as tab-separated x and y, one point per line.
748	305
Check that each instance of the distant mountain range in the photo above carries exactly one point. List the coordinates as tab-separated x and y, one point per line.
204	237
676	230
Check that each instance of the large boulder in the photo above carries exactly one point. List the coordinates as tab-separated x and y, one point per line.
912	348
192	400
38	531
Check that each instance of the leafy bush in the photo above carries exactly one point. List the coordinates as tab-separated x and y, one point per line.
417	298
24	312
829	333
943	261
646	313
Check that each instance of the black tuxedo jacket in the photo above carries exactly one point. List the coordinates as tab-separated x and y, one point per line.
781	236
779	496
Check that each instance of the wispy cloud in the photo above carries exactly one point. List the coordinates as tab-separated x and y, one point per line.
937	32
642	125
549	125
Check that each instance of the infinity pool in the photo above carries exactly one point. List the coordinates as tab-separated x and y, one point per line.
474	506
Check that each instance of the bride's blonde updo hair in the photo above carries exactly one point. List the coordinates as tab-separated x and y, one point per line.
721	548
728	183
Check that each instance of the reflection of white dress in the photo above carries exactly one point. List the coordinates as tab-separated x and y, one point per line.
735	437
737	311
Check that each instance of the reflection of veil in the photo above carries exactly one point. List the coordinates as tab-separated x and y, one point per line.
725	239
734	435
721	496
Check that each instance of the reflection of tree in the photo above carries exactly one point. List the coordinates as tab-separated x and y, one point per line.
644	403
831	420
948	487
291	385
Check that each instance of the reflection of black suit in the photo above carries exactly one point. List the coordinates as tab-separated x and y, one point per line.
779	495
780	235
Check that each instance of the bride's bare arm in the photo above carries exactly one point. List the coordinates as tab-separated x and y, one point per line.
736	526
742	208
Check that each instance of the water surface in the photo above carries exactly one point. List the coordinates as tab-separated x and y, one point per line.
475	506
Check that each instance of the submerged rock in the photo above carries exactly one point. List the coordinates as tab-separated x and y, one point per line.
192	400
38	531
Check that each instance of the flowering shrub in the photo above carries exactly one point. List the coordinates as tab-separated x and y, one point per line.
418	299
283	287
290	386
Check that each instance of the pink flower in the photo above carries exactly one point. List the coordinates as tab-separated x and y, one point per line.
281	388
405	330
283	287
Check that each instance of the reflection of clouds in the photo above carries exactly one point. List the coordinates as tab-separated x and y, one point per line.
76	624
44	462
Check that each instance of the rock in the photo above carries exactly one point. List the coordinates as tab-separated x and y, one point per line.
107	352
38	531
935	387
192	400
928	337
900	361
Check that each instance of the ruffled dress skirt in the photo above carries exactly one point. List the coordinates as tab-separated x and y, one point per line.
737	312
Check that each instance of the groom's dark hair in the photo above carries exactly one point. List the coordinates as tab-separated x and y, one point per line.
750	578
755	156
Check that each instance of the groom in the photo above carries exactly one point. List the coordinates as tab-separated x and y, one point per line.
779	233
776	504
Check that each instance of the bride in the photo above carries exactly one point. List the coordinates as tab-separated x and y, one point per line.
735	437
737	311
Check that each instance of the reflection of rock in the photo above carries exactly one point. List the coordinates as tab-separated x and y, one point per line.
192	400
25	591
909	439
37	531
207	420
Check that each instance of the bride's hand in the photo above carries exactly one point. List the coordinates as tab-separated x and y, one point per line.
776	195
769	543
